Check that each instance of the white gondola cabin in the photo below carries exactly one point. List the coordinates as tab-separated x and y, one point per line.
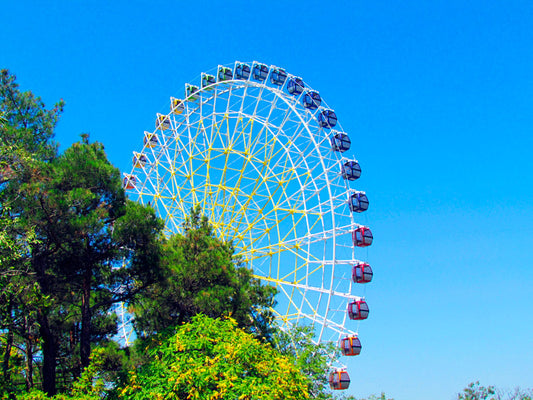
362	273
327	119
350	170
150	140
176	106
259	72
339	380
208	81
139	160
311	100
358	201
129	182
295	86
191	92
362	236
358	310
350	346
340	142
162	122
242	71
224	74
278	76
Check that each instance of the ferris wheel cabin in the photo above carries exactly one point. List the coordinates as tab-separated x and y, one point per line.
351	170
350	346
358	310
129	182
260	72
362	236
139	160
362	273
176	106
295	86
224	73
278	76
339	380
340	142
208	81
242	71
162	122
311	100
150	139
191	92
327	118
358	202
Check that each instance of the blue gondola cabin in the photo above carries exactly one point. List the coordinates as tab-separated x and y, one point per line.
362	273
176	106
295	86
139	160
208	81
351	170
358	310
278	76
311	100
339	380
191	92
350	346
224	74
242	71
129	182
362	237
162	122
260	72
340	142
327	119
150	140
358	202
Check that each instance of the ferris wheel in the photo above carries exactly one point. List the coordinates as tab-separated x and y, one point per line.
268	162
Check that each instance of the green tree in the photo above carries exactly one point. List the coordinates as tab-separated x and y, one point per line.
214	359
85	230
203	275
26	132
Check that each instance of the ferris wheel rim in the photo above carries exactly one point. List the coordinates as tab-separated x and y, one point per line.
236	84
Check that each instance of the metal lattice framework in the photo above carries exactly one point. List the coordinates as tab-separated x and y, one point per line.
260	162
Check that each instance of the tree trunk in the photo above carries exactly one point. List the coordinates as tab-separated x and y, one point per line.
29	355
85	336
7	354
49	348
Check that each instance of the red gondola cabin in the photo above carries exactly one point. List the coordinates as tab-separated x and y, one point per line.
350	346
339	380
362	273
129	182
358	310
362	237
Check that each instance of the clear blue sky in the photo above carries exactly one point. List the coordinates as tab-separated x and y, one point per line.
438	99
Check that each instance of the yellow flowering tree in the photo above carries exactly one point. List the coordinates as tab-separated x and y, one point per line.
214	359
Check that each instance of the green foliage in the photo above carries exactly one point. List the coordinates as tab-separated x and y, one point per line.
214	359
312	359
25	120
202	275
475	391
